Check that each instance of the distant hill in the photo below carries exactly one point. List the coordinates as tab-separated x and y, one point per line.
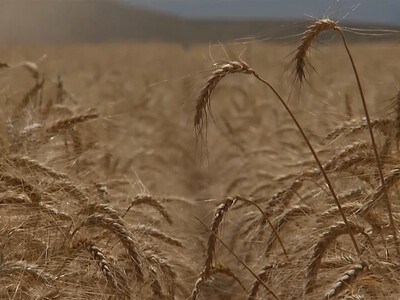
80	21
383	12
95	21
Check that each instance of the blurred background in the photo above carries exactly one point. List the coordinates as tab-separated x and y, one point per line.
186	21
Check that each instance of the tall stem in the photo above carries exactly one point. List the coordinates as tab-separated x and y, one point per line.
328	182
379	165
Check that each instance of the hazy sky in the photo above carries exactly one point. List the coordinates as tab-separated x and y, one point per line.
377	11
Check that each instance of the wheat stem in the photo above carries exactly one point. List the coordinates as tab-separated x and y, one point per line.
328	182
239	259
379	165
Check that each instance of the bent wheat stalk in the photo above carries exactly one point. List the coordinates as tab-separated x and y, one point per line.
194	292
203	103
300	61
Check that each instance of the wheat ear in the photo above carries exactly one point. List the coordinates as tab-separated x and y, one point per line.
99	257
34	165
121	233
203	102
70	122
309	35
151	201
320	248
346	280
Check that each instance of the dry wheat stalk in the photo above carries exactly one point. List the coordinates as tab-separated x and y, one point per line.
205	274
52	211
105	209
155	233
27	188
34	165
203	101
314	30
320	248
359	125
228	272
336	164
219	214
151	201
99	257
27	98
284	196
354	194
346	165
68	187
346	280
238	232
113	183
263	220
309	35
355	148
281	220
263	275
349	208
389	180
353	209
170	275
218	269
13	197
121	233
49	295
156	287
25	268
28	238
65	124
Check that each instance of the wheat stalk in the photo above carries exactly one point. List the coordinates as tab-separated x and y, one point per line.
121	233
149	231
281	220
234	67
151	201
358	125
205	274
34	165
312	32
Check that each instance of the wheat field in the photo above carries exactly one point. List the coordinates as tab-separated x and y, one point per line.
156	171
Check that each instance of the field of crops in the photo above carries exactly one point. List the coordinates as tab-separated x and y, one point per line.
156	171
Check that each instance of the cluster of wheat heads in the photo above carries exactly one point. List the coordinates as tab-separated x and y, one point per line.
329	231
66	232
